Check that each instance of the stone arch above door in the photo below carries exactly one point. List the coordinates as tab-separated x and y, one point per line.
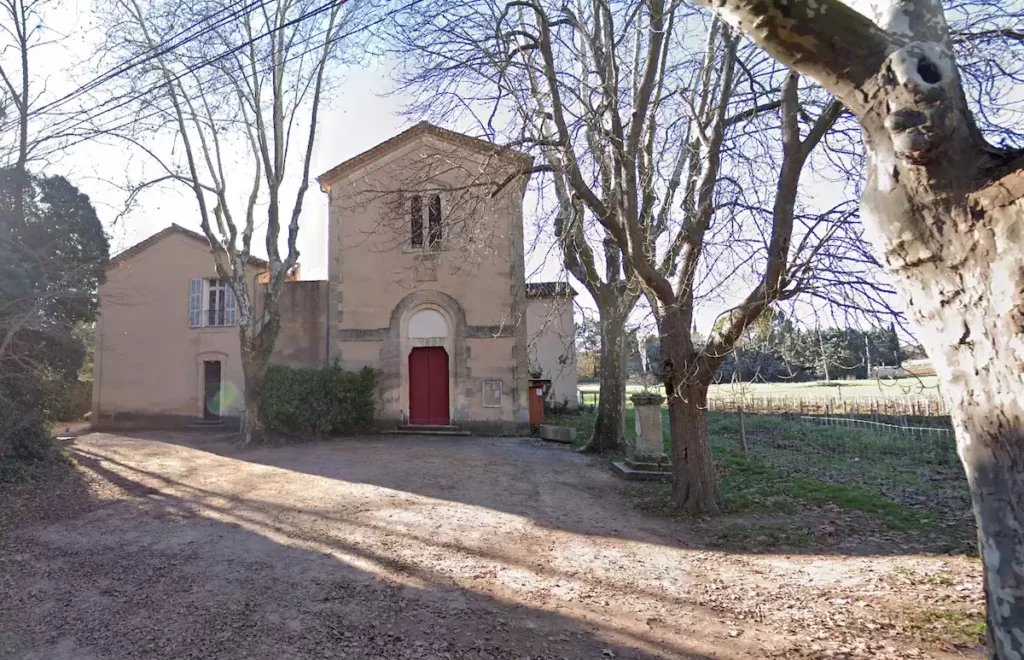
426	322
200	385
415	322
428	298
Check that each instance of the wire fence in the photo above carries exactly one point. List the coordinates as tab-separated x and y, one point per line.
899	465
892	406
879	427
873	407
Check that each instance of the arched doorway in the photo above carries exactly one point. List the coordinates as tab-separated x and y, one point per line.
429	381
428	385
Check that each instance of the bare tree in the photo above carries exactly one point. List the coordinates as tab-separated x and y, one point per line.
52	245
466	32
20	27
946	208
637	134
241	101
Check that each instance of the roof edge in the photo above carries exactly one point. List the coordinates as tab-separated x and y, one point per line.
174	228
422	128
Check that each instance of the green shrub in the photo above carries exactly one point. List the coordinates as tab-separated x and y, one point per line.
68	401
328	401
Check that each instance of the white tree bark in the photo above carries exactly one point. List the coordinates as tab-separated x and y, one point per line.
947	212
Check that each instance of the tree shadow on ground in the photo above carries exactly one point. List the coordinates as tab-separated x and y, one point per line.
41	490
179	572
551	485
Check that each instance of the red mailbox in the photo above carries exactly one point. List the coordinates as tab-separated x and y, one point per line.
537	388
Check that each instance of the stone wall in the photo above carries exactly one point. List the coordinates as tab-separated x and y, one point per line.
551	334
148	361
302	341
474	278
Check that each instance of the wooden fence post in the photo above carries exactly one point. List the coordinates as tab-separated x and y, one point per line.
743	429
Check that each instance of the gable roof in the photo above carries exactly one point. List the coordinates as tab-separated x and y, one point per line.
549	290
164	233
423	128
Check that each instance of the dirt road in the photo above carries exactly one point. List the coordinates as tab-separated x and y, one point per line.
406	547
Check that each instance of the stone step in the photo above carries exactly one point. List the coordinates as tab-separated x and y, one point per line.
207	425
625	470
562	434
428	429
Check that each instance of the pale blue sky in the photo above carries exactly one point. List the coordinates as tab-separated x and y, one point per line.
360	115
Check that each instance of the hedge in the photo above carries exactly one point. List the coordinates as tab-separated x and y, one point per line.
69	401
329	401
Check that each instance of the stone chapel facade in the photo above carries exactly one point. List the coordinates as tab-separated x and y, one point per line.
426	284
427	281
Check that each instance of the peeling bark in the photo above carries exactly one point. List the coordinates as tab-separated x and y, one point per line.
946	211
963	280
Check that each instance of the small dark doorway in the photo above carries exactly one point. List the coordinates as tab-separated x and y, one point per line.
428	386
211	389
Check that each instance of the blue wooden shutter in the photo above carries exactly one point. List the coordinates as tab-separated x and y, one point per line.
229	306
195	302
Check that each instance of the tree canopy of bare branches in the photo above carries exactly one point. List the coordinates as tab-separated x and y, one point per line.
645	118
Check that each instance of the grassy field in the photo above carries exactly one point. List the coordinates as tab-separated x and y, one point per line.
924	386
798	478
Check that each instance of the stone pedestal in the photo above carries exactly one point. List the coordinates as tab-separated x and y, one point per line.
645	457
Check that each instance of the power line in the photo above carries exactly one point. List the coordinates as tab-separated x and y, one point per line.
110	126
77	121
149	54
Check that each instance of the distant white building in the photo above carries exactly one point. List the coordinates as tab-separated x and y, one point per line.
888	372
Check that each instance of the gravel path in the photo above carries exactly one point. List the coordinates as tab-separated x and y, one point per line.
408	547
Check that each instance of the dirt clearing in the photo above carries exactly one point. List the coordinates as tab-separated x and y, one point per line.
389	547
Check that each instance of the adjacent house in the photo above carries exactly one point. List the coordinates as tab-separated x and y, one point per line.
425	284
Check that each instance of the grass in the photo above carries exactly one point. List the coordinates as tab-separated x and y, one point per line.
906	484
923	386
753	536
582	425
750	484
955	627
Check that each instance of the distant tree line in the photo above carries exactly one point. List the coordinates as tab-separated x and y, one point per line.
775	350
791	354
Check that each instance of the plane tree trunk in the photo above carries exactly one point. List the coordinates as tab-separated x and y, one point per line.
964	284
256	348
946	210
691	446
687	375
608	428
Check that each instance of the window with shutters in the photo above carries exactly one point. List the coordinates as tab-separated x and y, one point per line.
425	233
211	303
195	302
416	221
435	221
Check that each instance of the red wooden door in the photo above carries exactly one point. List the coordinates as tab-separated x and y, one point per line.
428	386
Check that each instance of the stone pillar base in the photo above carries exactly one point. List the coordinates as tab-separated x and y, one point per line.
645	457
641	473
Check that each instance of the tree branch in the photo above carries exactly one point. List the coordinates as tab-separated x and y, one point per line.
827	40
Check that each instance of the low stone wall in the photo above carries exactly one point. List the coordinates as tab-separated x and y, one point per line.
302	341
135	421
478	427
